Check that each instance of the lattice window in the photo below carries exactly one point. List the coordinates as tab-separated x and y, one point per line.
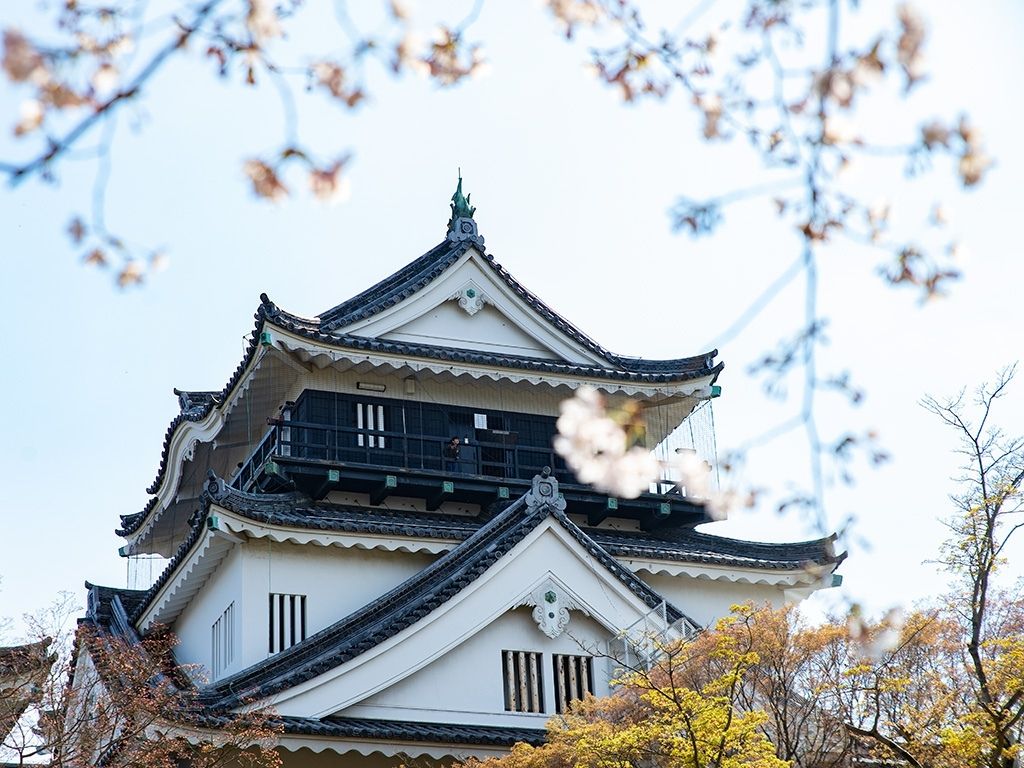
370	417
222	642
287	621
574	679
524	683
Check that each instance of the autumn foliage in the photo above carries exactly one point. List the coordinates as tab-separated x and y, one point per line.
106	699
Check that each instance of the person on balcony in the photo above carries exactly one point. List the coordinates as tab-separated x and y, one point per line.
451	455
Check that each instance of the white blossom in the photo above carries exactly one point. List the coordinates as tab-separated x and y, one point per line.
262	20
885	638
594	447
32	115
104	79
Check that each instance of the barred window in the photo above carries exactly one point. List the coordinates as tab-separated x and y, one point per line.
222	642
287	621
370	417
524	684
574	679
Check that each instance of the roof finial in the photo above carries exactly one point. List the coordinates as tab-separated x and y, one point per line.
461	225
461	209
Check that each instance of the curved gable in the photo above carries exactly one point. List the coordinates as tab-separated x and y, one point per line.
470	304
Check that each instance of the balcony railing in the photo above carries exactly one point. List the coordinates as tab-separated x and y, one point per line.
499	457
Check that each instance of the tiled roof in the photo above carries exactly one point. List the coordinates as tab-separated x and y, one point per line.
101	601
678	544
22	658
131	523
108	613
405	282
428	267
196	405
395	730
618	369
416	597
688	545
196	400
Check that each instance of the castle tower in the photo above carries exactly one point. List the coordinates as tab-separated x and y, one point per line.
367	526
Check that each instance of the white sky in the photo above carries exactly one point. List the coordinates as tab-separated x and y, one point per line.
572	190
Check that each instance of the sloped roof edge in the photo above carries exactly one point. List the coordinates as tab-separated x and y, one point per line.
684	544
419	273
395	730
418	596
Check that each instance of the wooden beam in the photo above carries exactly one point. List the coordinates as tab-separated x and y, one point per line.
597	516
331	479
437	497
658	517
385	489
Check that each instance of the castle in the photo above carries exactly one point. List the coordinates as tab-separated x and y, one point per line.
367	527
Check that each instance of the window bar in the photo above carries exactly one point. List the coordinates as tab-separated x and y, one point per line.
534	691
560	682
291	607
585	677
280	622
380	423
522	682
510	682
359	424
270	629
369	426
303	618
574	691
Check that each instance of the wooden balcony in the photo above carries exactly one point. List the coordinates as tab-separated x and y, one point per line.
317	459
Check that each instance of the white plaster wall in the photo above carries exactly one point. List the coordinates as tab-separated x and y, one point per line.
703	600
471	269
547	552
194	625
336	582
470	677
448	325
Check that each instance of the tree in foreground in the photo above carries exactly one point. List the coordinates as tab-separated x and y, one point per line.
113	700
952	692
942	687
684	710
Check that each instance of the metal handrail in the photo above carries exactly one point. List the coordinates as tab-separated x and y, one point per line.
391	449
246	473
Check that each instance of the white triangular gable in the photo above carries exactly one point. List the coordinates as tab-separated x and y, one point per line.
471	307
603	607
471	675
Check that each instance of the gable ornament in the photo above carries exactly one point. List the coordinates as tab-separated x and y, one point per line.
551	608
471	299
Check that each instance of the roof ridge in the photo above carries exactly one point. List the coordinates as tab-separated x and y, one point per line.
443	252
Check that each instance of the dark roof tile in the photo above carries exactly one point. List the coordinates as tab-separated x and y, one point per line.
679	544
418	595
395	730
